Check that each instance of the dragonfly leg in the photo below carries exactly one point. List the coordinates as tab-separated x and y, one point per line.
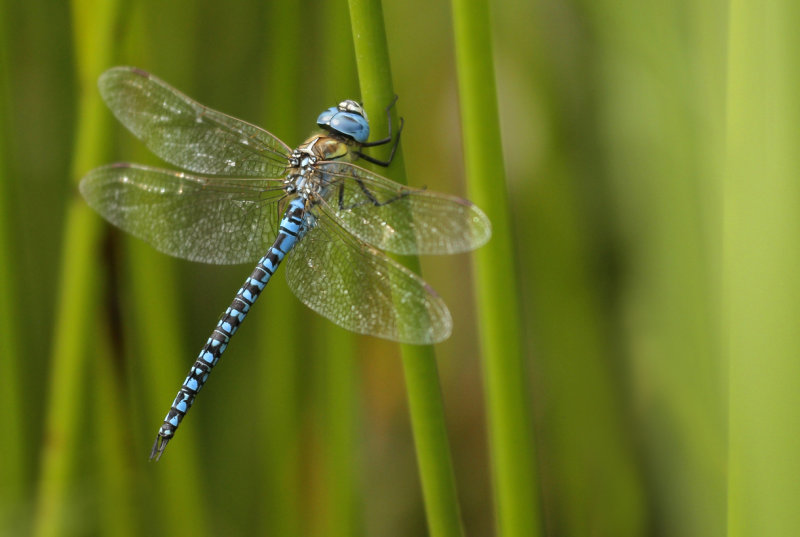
384	141
371	199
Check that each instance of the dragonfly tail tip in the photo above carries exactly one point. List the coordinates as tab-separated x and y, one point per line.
158	448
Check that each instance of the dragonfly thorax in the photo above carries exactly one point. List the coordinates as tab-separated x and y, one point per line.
304	178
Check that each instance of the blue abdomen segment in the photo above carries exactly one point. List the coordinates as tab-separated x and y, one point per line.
292	228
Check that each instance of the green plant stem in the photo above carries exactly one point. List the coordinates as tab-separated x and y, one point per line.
116	479
419	362
338	404
278	364
337	350
76	303
508	410
66	401
761	262
13	461
161	356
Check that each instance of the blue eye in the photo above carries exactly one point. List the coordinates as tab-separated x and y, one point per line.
351	125
345	122
326	116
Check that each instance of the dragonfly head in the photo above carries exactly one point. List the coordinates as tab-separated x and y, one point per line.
348	119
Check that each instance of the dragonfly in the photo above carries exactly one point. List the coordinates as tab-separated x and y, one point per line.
246	196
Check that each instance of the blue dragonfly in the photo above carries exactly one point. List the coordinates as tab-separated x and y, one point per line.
246	196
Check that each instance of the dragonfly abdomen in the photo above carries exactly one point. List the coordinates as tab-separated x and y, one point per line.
291	230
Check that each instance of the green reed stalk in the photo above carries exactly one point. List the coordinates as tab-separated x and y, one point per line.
280	361
13	462
116	481
161	355
569	320
659	128
508	410
338	413
337	350
78	279
761	267
163	359
419	362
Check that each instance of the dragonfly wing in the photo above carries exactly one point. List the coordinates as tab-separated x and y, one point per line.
187	134
400	219
360	289
211	220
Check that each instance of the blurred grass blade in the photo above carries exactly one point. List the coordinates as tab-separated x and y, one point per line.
591	464
336	351
278	365
113	446
657	85
13	463
761	267
419	362
337	406
162	358
94	22
158	354
508	407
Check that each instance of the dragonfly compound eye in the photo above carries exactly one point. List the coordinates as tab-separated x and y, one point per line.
348	119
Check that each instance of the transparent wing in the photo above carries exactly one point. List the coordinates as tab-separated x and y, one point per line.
187	134
399	219
362	290
222	221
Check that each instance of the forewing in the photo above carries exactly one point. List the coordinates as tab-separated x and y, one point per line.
360	289
211	220
400	219
187	134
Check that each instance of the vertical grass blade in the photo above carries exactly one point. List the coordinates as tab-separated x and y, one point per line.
657	125
159	355
13	463
77	280
116	480
162	357
336	351
338	403
508	410
419	362
761	267
590	463
279	346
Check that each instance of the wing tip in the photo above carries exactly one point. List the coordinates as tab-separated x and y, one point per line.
437	325
114	165
126	69
482	227
432	337
117	76
141	72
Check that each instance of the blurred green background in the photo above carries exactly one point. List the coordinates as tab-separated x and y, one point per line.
651	163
